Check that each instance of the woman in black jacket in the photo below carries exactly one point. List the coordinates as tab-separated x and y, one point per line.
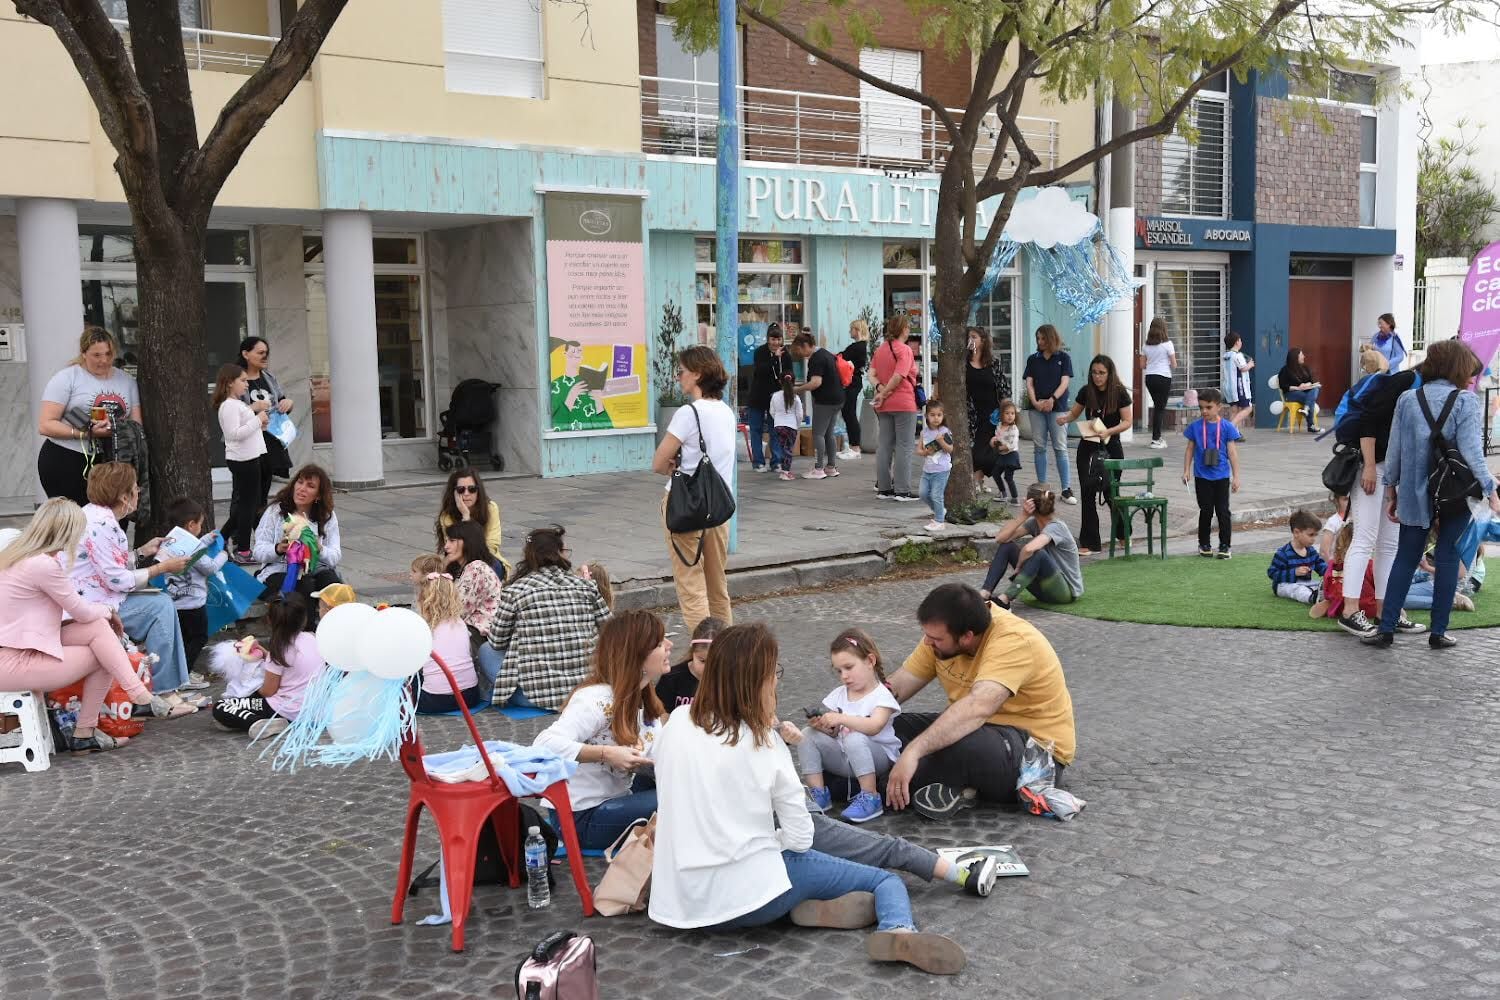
771	361
858	355
987	387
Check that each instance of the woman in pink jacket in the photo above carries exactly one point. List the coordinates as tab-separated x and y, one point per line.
37	651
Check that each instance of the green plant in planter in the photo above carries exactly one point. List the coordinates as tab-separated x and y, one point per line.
877	334
664	357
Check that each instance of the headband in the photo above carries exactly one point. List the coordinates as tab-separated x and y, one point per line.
439	576
701	642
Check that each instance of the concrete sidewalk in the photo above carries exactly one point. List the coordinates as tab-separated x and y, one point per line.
796	534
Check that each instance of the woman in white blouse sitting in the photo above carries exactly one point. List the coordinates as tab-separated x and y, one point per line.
609	725
725	780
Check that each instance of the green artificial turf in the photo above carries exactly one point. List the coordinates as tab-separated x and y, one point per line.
1212	593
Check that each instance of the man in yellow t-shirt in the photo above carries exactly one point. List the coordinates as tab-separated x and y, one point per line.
1003	682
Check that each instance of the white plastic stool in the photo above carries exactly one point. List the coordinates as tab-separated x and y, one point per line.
35	750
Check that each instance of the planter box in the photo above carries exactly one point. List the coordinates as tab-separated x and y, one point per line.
664	415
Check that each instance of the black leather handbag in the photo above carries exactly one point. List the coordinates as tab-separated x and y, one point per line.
698	500
1342	470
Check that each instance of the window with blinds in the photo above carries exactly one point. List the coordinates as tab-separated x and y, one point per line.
890	126
1195	177
494	47
1193	302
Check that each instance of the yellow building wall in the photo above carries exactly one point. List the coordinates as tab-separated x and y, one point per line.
381	70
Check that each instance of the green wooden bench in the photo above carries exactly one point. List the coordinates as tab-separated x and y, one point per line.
1129	497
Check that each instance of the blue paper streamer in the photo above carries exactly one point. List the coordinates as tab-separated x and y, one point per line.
370	715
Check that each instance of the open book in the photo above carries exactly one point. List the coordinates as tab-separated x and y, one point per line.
180	543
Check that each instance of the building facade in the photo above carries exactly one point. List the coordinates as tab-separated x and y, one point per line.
463	190
1294	230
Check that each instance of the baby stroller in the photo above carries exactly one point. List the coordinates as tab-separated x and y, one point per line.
466	425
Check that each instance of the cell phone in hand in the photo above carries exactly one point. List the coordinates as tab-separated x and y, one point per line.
812	712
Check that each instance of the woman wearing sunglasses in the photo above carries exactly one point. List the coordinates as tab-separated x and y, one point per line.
464	499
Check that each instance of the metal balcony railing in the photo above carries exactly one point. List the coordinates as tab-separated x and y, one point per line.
680	118
226	51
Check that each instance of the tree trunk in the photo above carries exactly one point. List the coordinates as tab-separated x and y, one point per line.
174	373
952	306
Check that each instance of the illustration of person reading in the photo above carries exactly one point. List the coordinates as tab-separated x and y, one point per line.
578	392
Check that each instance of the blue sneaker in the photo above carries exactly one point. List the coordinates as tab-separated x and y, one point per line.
865	807
819	800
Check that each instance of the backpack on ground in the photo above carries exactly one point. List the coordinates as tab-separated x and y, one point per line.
846	370
1451	484
560	967
489	864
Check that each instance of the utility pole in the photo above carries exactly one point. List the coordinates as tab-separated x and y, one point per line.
727	315
1119	229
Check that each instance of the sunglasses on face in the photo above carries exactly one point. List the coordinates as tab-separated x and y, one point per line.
466	489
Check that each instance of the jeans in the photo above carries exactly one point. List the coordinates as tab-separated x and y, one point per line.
893	454
1302	593
987	760
1005	479
759	421
431	703
866	847
1041	575
602	825
1309	400
934	485
851	755
243	502
1375	537
1044	431
1409	546
487	662
1213	500
151	621
853	395
825	415
518	699
1160	387
815	875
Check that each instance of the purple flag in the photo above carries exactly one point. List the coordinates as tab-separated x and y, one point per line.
1479	326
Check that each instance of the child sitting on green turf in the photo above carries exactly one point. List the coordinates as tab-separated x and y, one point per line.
1296	563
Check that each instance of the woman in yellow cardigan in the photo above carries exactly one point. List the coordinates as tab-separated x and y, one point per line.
464	499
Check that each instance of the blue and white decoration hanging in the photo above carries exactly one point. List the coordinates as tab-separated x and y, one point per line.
362	701
1064	243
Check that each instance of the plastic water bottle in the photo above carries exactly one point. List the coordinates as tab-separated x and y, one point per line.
538	894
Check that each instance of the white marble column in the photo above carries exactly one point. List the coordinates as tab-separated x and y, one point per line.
349	262
51	300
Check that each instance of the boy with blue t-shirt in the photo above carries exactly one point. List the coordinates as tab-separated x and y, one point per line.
1212	463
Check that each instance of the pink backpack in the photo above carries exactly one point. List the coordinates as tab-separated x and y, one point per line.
561	967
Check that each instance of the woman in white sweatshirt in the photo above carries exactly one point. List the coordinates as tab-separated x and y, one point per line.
724	781
244	444
609	725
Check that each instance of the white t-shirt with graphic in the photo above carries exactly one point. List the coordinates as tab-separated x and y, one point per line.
75	386
881	697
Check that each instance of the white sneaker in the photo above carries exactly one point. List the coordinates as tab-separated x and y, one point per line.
1157	444
195	682
267	727
759	468
936	527
847	456
815	474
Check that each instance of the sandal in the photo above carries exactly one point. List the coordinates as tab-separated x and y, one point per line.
95	742
175	707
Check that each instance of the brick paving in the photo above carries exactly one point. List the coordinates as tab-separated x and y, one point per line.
1269	815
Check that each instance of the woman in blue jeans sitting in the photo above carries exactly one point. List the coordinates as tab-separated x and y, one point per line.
609	725
1046	565
725	781
1299	385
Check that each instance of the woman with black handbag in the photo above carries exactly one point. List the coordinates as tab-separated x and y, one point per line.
1106	406
705	427
265	396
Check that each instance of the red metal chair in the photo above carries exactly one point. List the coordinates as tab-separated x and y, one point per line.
460	811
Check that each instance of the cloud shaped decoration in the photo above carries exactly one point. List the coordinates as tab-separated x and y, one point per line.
1050	219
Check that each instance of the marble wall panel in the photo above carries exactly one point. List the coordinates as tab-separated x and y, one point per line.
18	459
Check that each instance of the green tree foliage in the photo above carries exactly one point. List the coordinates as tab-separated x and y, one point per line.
1455	204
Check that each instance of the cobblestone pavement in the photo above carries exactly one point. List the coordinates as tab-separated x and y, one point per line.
1269	816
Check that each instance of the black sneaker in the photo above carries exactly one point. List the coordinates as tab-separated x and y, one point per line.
1383	640
1358	625
906	497
940	801
1406	626
980	876
1436	641
1223	553
885	494
1206	552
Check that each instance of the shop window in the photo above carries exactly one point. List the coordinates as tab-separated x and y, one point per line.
1337	86
773	286
1369	167
997	316
1195	176
890	126
400	338
494	47
1192	302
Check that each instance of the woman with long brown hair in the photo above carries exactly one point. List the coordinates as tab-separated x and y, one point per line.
1103	400
1158	358
609	726
465	499
724	781
987	387
309	494
244	447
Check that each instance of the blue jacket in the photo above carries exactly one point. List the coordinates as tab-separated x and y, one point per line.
1408	460
1285	562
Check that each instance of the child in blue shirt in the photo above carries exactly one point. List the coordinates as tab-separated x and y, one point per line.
1212	463
1296	563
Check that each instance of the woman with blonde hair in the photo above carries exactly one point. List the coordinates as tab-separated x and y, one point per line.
81	406
857	353
609	726
443	610
38	652
733	835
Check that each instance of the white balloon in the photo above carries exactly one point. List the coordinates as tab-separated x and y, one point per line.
339	632
396	644
1276	408
353	714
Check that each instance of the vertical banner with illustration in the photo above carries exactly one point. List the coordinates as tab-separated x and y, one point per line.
596	306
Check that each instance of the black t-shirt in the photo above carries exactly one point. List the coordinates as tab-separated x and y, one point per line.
1111	417
831	391
260	390
678	687
1378	407
858	355
765	378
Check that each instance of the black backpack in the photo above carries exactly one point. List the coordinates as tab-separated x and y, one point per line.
1451	484
489	864
1095	477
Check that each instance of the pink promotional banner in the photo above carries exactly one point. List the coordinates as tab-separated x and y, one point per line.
1479	326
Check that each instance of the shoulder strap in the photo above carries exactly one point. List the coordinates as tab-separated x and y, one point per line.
1436	426
702	445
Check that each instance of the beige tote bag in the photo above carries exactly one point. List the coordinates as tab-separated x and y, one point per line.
626	885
